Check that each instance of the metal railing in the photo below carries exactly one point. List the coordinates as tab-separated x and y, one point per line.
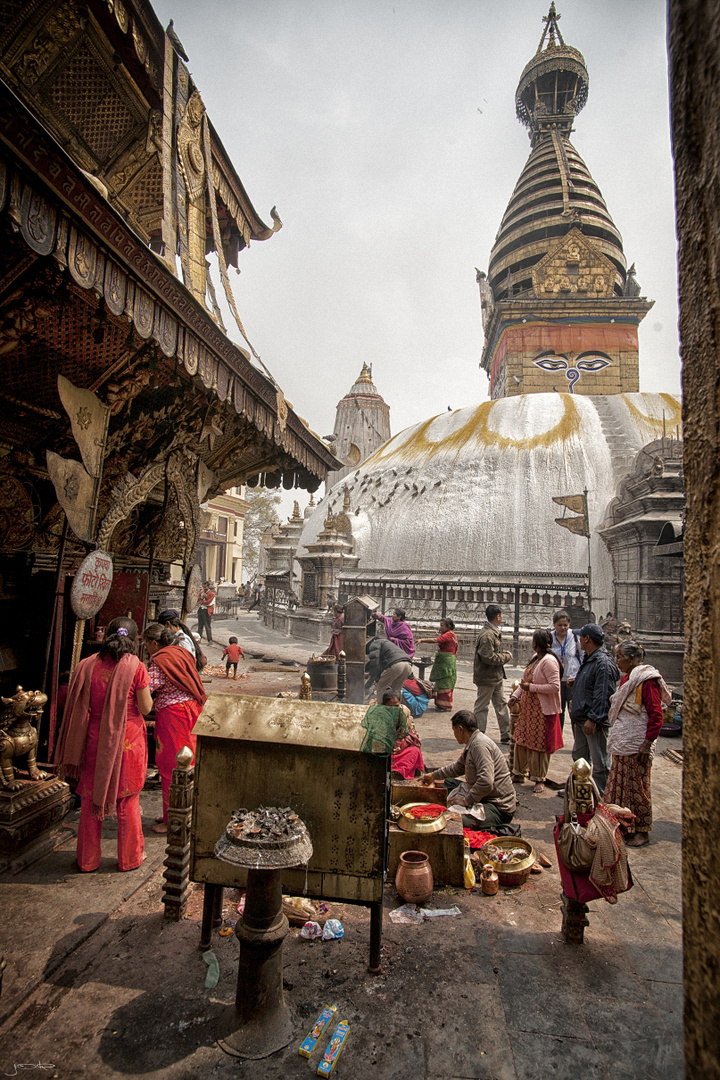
429	598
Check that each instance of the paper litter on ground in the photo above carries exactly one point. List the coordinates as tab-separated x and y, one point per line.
410	914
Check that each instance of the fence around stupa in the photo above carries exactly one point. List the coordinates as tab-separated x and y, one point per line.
527	602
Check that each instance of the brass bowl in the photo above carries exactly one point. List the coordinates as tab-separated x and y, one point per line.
510	872
412	824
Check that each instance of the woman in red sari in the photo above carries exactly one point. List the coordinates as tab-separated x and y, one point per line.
537	733
444	670
178	702
103	744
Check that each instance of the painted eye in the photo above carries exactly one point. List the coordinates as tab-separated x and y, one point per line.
593	365
551	365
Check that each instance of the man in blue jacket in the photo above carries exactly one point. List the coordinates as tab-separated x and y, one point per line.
594	685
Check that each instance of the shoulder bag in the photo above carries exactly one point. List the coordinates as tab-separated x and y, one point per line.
574	849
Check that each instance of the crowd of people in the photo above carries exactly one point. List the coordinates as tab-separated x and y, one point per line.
613	697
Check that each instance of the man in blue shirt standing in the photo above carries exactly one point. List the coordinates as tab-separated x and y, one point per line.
594	685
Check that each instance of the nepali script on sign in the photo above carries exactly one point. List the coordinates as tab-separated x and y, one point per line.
92	584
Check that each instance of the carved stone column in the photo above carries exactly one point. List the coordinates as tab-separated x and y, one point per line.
177	861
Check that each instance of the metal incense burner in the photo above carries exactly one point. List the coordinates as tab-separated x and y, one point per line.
265	841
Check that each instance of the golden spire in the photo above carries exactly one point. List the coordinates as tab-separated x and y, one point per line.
366	374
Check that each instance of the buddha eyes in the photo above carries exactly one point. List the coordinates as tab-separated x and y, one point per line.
596	364
551	365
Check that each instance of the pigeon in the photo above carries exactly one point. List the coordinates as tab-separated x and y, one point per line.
176	42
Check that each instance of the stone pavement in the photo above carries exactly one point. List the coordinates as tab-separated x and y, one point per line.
103	987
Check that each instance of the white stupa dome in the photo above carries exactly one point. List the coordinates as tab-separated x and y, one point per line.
470	491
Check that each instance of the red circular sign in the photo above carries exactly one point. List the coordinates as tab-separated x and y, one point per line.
92	583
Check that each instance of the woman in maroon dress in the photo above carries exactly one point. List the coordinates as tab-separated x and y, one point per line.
103	745
337	639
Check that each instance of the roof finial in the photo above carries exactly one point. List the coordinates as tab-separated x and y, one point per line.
551	29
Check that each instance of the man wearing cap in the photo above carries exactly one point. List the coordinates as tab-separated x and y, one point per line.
594	685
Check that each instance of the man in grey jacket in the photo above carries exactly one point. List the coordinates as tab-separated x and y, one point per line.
489	672
487	776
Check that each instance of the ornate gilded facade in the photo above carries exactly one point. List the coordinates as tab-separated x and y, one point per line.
114	188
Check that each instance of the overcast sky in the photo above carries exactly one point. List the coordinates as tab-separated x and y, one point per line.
385	133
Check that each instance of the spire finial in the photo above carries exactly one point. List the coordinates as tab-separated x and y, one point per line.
551	30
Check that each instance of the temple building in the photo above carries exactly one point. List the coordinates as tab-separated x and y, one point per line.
458	510
125	410
362	425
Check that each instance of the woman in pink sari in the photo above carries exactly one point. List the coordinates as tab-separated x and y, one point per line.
179	698
537	733
103	745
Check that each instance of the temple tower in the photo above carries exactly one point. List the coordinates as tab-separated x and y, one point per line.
362	425
560	310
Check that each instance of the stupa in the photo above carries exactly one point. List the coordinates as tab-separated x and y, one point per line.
470	492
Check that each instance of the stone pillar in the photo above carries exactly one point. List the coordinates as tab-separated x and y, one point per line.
177	862
694	40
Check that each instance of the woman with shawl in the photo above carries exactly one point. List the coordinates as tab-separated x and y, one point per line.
537	732
390	730
103	744
636	717
337	638
179	698
444	669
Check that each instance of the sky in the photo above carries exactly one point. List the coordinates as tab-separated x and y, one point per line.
384	131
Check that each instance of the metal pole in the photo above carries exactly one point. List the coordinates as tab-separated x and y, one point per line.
587	525
58	580
516	628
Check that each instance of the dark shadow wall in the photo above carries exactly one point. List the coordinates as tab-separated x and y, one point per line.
694	41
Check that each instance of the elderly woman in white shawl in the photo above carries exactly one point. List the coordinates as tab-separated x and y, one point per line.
636	717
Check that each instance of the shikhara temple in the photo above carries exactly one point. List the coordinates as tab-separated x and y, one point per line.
458	510
124	403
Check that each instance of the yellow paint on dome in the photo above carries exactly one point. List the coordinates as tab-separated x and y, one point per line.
673	413
477	430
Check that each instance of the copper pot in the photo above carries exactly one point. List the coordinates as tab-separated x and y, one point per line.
489	881
414	877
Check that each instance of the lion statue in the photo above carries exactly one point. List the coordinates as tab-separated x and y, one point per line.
18	735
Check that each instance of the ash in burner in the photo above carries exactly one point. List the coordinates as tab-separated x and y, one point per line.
267	838
266	824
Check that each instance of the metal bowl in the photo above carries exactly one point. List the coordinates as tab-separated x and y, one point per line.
417	825
522	866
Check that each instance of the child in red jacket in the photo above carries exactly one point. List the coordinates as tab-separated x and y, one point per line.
233	653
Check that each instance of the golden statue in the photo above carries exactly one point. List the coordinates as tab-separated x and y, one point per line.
305	689
18	735
586	793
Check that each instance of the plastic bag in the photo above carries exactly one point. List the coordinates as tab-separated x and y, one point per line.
332	930
468	869
311	931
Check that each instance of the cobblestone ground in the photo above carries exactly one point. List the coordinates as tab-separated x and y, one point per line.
98	985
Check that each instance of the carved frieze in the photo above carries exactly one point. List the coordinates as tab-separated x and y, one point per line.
59	28
574	268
